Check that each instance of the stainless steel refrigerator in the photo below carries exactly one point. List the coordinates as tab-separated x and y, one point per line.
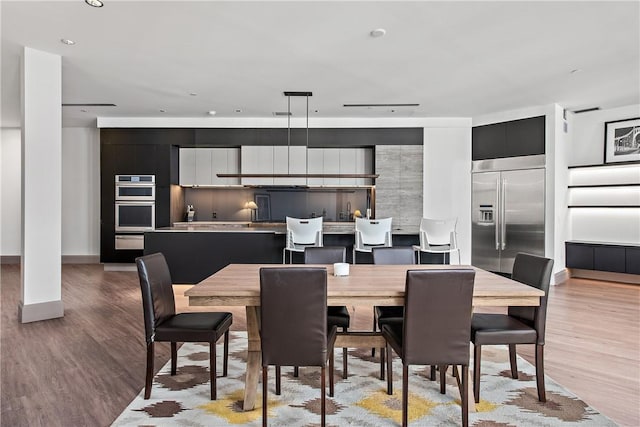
508	206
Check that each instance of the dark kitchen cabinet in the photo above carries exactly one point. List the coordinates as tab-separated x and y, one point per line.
603	257
136	152
609	258
633	260
525	137
579	256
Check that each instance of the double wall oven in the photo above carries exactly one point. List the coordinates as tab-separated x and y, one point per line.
135	202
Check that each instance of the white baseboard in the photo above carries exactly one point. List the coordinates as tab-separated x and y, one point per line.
40	311
560	276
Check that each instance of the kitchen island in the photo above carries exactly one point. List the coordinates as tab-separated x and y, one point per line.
196	250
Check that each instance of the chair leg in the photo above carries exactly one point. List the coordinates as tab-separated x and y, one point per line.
212	369
389	371
331	367
542	395
433	373
264	396
464	397
344	359
375	324
278	380
443	379
149	378
284	256
477	352
354	256
174	358
296	371
405	394
323	397
382	351
513	362
225	360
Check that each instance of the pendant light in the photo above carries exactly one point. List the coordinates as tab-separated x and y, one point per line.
289	94
306	175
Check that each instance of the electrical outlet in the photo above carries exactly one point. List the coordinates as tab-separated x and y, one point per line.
214	215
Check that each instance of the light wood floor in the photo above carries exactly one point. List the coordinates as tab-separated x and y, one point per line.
85	368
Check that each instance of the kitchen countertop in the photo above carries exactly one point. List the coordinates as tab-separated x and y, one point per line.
262	227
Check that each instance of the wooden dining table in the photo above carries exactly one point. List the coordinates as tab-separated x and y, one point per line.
366	284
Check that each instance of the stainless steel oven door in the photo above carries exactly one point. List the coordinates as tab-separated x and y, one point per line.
135	216
136	191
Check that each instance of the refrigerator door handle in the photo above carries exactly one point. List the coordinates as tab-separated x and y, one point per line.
503	213
497	220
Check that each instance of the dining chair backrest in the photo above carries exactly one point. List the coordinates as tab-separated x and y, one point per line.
437	316
324	255
293	304
158	302
437	231
373	231
534	271
304	231
398	255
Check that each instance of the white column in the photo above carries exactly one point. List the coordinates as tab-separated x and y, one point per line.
41	96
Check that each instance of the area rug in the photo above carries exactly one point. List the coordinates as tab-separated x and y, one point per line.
360	400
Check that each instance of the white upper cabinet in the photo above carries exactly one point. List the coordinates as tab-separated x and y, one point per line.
316	165
200	166
187	166
348	157
331	158
340	161
257	159
290	160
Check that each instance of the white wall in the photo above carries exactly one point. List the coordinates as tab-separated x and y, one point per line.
10	191
447	180
587	148
587	144
80	192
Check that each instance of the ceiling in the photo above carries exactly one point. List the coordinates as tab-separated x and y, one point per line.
455	59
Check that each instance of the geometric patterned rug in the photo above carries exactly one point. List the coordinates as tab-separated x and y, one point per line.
360	400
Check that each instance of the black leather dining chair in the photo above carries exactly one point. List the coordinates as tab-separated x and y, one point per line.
336	315
434	330
382	314
294	332
521	325
162	324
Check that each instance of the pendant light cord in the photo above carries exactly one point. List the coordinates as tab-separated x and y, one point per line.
288	134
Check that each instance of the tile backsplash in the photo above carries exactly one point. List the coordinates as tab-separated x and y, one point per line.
227	204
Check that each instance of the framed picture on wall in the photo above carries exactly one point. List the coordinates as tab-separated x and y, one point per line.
622	141
263	213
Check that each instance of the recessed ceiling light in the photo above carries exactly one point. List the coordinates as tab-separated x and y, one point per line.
378	32
67	41
94	3
212	113
238	110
